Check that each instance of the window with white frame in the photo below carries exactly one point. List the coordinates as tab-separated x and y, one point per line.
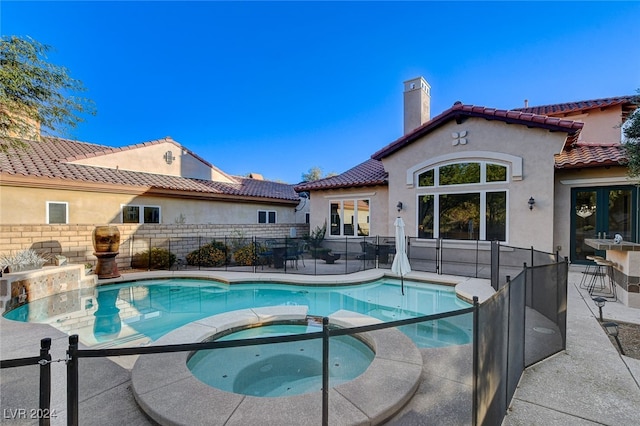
140	214
448	211
57	212
350	217
266	216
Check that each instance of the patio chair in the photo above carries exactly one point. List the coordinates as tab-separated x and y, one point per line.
368	251
265	255
292	254
302	247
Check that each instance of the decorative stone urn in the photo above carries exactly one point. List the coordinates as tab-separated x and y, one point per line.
106	242
106	239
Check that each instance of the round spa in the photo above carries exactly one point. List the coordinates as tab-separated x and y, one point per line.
279	369
373	375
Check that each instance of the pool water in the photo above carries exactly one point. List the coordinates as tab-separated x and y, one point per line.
140	312
280	369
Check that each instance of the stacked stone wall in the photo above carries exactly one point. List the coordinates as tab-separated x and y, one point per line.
75	241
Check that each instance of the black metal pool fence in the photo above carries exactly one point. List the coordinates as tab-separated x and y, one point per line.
477	258
487	370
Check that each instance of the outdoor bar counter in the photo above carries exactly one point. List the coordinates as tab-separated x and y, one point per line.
625	257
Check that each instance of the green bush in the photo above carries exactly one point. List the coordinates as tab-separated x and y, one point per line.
161	258
248	255
213	254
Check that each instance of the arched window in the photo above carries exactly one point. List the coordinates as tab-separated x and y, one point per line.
463	201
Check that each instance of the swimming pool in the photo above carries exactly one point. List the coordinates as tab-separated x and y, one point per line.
140	312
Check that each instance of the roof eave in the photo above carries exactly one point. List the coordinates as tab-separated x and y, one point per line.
302	188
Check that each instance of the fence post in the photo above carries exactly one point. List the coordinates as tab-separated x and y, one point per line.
438	256
45	382
495	264
149	258
255	253
325	371
226	254
199	251
346	255
532	252
476	357
72	381
477	249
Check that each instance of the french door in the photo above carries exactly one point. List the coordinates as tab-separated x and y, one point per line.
601	212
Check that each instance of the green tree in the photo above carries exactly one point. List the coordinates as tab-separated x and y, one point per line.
315	173
35	94
632	141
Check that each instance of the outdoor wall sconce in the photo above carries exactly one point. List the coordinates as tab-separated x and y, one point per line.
531	202
612	330
600	301
399	205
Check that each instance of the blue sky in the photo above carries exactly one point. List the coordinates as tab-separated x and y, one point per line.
278	88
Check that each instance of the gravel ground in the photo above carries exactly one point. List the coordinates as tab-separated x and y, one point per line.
629	335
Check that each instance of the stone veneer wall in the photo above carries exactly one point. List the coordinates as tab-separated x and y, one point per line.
75	241
22	287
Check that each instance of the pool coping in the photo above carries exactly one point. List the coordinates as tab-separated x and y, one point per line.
170	394
466	287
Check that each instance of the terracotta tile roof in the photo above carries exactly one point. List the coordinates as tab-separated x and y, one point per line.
369	173
584	155
569	107
50	159
459	111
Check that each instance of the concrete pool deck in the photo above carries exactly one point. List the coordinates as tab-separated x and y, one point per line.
589	383
164	386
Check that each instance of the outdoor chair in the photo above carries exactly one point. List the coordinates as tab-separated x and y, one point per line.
590	271
302	246
292	254
265	254
368	251
603	278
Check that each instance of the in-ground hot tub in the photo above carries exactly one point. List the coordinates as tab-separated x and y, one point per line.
170	394
280	369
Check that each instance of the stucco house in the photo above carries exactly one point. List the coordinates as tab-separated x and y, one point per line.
545	177
60	181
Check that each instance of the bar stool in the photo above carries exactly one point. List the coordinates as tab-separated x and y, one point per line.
591	269
604	267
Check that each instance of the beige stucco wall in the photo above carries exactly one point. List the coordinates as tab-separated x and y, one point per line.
568	179
151	159
20	205
378	196
486	139
601	126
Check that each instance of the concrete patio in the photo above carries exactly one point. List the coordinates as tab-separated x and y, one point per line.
589	383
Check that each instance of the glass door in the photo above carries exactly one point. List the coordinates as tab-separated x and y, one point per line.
601	213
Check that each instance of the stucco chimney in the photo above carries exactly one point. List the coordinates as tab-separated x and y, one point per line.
526	103
417	103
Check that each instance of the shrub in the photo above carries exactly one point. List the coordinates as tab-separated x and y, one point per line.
248	255
212	254
161	258
23	260
317	236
